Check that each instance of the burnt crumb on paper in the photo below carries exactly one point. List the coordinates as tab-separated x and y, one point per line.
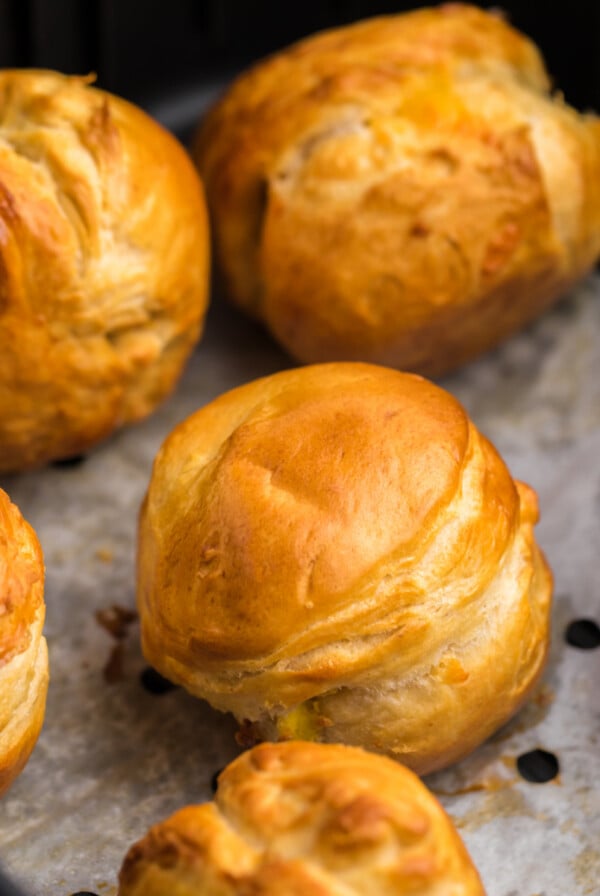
113	670
248	735
116	621
104	554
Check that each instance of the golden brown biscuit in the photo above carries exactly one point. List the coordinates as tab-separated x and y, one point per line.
305	819
404	190
335	553
23	651
103	263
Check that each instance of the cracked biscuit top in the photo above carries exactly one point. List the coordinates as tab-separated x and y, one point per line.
103	265
405	190
304	819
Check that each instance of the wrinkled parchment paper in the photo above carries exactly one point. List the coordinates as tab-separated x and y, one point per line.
114	758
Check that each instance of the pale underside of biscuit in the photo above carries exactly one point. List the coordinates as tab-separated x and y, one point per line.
336	553
310	820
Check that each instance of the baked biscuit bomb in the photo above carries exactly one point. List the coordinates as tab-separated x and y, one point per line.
23	651
334	553
305	819
104	260
404	191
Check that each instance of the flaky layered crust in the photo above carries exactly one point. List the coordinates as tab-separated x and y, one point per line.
336	553
103	265
310	820
404	190
23	652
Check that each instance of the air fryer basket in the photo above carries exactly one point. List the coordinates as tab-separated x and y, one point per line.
121	750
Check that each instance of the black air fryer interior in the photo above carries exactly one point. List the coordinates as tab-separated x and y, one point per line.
153	52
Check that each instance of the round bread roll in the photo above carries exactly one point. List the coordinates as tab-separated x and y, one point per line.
23	651
335	553
103	262
404	190
305	819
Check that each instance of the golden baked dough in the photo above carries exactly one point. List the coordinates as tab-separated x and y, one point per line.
103	265
303	819
404	190
23	651
335	553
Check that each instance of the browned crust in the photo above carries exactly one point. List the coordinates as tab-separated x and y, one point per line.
103	265
308	819
23	655
340	539
403	191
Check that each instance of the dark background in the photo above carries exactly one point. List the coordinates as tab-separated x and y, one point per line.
158	51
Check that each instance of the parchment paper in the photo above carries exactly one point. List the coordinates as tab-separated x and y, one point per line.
114	758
